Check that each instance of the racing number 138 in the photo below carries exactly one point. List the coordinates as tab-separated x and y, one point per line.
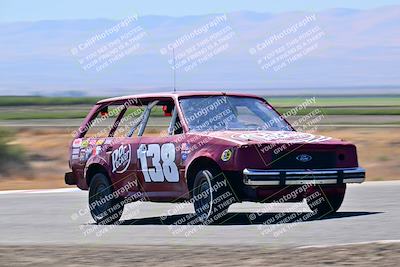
160	172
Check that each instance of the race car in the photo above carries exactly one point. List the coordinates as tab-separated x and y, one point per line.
211	149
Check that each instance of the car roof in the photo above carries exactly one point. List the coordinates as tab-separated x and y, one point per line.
164	95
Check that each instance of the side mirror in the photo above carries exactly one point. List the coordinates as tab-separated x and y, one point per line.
167	110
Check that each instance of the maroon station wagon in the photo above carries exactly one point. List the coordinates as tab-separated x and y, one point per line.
211	149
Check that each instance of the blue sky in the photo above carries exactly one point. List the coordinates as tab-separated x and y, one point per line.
32	10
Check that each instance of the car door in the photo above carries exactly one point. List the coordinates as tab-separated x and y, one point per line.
160	170
122	150
122	158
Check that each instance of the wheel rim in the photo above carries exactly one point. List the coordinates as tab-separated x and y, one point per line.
205	203
100	193
204	187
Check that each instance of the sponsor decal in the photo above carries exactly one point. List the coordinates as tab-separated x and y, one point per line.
185	147
75	156
226	155
75	150
283	136
304	158
88	152
77	142
96	150
100	142
92	142
82	155
84	144
121	158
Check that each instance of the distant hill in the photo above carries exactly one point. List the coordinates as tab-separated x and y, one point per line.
356	49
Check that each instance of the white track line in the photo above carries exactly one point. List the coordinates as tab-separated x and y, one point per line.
382	242
40	191
373	183
69	190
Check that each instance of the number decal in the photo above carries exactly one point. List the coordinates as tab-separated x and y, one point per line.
163	162
169	167
141	154
156	173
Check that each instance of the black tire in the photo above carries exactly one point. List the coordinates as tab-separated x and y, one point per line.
104	207
328	201
211	197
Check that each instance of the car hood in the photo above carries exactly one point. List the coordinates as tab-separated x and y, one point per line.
271	137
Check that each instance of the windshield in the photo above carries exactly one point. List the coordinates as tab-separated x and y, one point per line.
215	113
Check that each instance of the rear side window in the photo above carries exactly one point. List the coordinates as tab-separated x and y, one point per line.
130	122
102	124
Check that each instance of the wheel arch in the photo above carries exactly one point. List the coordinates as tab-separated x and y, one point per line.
93	169
196	165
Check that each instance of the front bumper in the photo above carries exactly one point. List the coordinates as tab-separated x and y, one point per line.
299	177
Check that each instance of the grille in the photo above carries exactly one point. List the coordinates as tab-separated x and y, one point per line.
289	160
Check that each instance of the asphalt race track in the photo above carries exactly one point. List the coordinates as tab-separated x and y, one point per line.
370	212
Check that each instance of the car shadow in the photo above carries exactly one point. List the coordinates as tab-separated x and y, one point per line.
246	218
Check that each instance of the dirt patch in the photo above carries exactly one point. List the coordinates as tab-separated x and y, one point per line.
47	151
354	255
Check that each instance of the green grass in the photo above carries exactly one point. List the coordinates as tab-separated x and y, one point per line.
67	114
18	108
42	115
277	101
337	101
347	111
37	100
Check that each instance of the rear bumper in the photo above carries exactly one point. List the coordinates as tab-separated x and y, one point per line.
299	177
70	178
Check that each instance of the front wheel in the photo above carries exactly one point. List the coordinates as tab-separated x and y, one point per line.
211	197
104	207
326	200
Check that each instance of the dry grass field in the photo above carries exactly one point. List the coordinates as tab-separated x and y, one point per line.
47	153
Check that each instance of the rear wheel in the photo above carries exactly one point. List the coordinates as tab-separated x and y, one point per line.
211	197
326	200
104	207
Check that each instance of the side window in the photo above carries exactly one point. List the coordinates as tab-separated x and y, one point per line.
129	124
161	120
103	123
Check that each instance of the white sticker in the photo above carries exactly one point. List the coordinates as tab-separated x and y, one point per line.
293	137
121	158
77	142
